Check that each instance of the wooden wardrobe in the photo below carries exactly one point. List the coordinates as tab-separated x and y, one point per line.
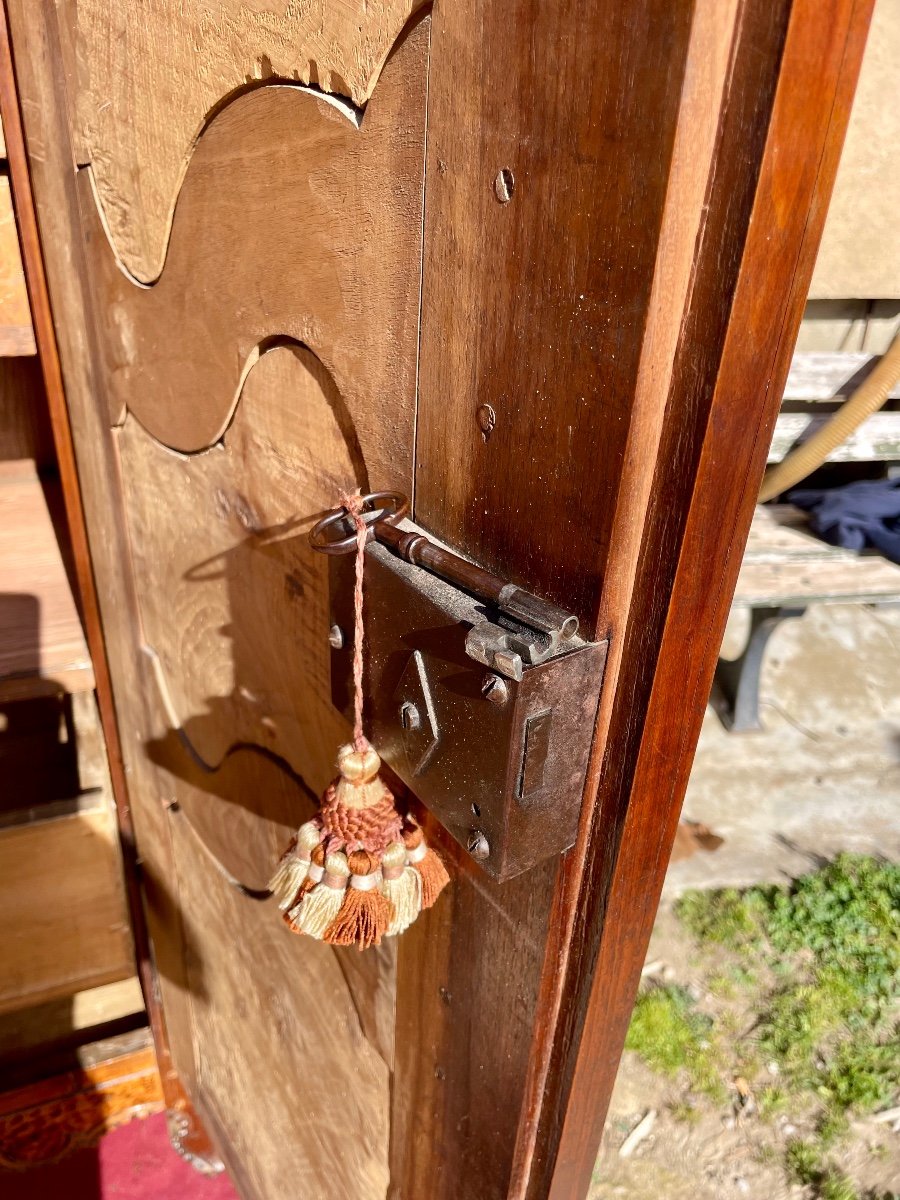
537	265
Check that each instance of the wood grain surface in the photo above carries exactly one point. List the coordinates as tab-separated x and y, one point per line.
787	100
92	497
44	954
252	494
535	307
292	222
287	1030
233	601
172	64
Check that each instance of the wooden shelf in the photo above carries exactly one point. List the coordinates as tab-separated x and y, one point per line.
42	645
65	921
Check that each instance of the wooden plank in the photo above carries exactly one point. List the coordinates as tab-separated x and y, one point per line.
823	375
819	377
41	639
65	925
209	55
311	1032
532	307
149	723
876	440
494	105
324	1013
870	579
785	564
788	104
16	332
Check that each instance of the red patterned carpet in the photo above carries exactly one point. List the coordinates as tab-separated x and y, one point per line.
134	1162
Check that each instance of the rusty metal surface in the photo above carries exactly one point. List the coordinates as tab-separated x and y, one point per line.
504	777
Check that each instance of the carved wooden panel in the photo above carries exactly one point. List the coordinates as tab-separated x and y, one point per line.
152	74
252	256
233	601
292	222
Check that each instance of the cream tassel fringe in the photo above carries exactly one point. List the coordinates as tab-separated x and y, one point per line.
291	870
319	907
402	885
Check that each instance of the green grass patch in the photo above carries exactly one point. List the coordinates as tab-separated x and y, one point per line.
806	1165
671	1036
728	917
820	964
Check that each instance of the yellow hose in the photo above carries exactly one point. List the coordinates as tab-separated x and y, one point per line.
866	400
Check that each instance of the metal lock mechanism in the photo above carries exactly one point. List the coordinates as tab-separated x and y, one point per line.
484	708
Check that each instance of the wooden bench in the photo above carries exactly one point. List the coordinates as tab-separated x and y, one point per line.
786	568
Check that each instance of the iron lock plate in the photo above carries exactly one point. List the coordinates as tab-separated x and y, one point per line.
500	763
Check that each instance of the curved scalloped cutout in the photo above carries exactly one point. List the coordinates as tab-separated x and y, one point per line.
233	601
150	74
291	221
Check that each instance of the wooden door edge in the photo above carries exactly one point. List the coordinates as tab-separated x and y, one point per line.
192	1139
600	985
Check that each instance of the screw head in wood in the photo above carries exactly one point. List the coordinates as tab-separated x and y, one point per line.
478	845
494	688
504	185
409	715
486	418
336	637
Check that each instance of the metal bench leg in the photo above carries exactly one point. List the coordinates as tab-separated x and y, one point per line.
735	694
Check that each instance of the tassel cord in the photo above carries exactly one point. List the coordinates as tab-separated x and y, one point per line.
354	506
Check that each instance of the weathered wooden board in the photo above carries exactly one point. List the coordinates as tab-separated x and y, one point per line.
823	375
876	440
295	227
550	337
786	564
293	1038
170	65
817	377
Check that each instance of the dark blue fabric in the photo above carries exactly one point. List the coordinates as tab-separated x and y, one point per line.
856	515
